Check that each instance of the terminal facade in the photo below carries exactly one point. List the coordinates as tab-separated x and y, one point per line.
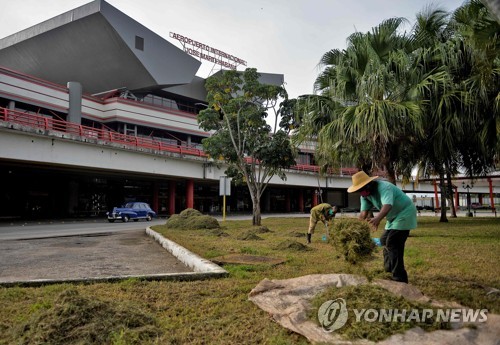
97	110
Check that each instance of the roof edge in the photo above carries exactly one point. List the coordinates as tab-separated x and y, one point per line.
52	23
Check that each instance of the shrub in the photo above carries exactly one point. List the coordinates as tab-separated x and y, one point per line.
351	237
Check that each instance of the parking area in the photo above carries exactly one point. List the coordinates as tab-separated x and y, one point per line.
85	257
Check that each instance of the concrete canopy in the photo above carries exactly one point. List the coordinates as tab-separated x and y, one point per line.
100	47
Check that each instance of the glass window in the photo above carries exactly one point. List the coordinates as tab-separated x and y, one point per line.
139	43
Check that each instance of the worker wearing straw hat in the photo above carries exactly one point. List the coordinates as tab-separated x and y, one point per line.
399	211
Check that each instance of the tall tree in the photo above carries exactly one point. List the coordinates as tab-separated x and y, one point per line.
369	80
459	110
238	105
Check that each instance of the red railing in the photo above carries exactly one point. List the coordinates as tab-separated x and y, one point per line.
316	168
48	123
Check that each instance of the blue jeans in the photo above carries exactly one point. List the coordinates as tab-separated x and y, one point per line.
394	250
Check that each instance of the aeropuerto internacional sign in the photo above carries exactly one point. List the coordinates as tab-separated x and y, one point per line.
208	53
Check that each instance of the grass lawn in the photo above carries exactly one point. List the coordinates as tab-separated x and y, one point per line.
455	261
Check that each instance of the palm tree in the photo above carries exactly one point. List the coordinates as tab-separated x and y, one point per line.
368	81
479	31
458	104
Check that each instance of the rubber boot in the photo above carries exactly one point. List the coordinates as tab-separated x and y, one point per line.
308	238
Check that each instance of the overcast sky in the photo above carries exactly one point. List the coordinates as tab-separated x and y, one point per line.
274	36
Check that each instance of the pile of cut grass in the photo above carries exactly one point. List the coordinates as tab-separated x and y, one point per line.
351	237
192	219
74	319
371	297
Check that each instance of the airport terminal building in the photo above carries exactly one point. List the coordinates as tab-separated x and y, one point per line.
97	110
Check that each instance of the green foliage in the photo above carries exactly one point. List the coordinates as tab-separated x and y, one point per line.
238	105
352	238
392	100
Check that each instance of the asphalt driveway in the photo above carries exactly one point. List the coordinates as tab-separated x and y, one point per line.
82	257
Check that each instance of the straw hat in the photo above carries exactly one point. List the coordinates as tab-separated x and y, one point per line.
359	180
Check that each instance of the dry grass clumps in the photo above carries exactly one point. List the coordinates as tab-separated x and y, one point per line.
292	245
74	319
261	229
249	235
362	297
351	238
192	219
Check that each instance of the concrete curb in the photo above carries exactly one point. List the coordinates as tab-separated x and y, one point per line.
191	260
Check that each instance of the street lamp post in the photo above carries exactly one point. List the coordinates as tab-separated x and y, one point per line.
468	187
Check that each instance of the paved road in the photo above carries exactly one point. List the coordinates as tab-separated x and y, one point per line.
61	251
45	229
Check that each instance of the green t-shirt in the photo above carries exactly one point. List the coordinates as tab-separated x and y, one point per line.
403	214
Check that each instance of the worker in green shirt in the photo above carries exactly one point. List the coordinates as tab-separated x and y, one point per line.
322	212
399	211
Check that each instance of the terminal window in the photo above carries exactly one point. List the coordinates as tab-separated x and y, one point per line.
139	43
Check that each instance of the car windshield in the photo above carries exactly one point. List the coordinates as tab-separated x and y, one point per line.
129	205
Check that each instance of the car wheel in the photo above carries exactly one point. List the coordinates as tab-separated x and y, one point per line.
148	217
125	218
111	220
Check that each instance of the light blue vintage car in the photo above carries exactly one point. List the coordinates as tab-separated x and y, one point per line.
132	210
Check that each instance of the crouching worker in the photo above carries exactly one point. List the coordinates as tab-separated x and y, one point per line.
322	212
400	213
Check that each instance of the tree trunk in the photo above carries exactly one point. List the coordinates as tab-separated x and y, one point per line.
255	196
450	195
443	218
256	217
391	174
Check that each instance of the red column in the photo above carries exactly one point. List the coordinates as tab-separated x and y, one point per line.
457	203
171	197
492	199
301	200
315	199
436	194
480	197
189	194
